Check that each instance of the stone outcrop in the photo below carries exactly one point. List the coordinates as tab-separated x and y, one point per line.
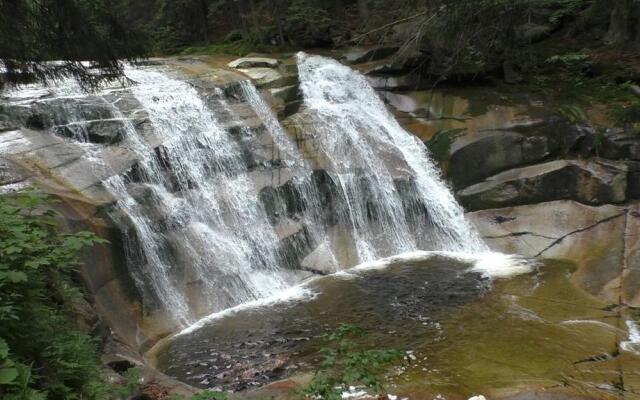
478	155
591	183
363	55
268	78
484	155
409	81
602	242
254	62
621	146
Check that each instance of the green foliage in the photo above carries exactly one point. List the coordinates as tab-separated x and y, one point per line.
598	140
628	117
565	9
209	395
575	63
344	362
572	113
131	384
35	32
42	353
307	23
239	48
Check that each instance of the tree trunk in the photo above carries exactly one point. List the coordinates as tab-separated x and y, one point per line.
363	10
280	9
204	8
635	23
255	21
243	23
619	33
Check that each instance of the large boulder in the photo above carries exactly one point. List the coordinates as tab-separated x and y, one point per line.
401	62
254	62
363	55
286	100
531	32
633	180
478	155
484	155
602	241
591	183
621	146
108	131
409	81
268	78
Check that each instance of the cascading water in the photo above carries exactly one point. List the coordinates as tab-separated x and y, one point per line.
198	234
369	154
216	228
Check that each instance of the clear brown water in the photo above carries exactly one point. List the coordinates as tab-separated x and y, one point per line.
468	335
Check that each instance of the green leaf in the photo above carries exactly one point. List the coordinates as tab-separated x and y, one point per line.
16	276
8	375
4	349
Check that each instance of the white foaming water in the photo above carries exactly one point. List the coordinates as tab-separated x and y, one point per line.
474	263
368	152
218	227
632	345
489	264
292	294
264	112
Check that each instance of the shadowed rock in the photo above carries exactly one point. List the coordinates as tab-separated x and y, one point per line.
591	183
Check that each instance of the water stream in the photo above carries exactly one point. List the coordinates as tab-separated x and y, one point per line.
199	236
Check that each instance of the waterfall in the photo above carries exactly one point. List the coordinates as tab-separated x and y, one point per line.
198	233
369	155
216	228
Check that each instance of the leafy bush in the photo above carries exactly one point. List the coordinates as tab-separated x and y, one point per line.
344	362
572	113
627	117
570	60
42	353
565	9
308	25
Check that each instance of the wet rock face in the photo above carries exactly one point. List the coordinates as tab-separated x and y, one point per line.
495	152
633	180
101	131
621	146
602	242
477	156
363	55
254	62
588	183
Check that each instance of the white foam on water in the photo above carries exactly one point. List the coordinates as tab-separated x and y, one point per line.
489	264
633	344
589	322
505	266
498	265
292	294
